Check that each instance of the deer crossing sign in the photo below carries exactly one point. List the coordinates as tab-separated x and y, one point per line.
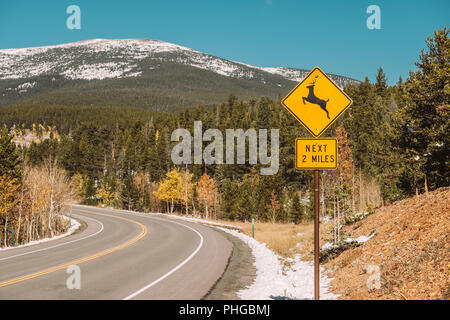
316	102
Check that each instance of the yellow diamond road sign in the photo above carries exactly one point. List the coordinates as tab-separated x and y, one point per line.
316	102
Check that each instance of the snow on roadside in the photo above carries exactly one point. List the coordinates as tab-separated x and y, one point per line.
74	225
276	281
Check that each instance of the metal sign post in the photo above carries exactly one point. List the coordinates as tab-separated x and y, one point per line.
253	228
316	235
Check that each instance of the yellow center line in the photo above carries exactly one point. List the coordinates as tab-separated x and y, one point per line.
91	257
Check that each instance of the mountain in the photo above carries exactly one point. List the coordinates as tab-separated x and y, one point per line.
135	72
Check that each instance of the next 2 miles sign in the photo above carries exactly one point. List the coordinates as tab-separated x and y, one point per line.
316	154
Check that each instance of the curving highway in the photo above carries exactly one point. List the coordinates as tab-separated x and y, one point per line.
121	255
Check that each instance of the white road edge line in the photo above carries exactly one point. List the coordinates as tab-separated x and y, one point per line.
58	245
131	296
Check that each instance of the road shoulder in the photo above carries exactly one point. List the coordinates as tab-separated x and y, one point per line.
239	273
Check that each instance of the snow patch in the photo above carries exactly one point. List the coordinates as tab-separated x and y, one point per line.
26	85
98	71
328	246
74	225
357	217
276	281
360	239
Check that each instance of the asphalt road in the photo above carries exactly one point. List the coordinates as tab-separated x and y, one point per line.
121	255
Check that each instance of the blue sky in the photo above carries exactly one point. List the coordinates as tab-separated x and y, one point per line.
331	34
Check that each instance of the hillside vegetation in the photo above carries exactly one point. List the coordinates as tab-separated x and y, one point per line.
170	87
411	248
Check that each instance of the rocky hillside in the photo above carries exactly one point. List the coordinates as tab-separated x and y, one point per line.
410	247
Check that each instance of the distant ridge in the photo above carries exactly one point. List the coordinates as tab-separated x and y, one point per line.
158	74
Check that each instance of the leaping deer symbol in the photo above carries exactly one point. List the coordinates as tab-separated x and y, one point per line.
311	98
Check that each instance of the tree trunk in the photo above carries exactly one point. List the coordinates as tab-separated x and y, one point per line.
30	231
104	165
186	193
36	230
27	230
33	229
50	218
193	204
353	188
17	236
215	207
368	195
51	171
334	219
338	221
360	192
5	231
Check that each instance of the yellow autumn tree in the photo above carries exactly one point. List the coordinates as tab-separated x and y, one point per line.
106	195
188	188
171	190
49	192
207	193
9	188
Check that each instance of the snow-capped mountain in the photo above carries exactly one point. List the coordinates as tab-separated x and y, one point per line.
120	58
31	70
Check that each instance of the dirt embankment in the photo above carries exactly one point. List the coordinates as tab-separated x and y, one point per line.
411	251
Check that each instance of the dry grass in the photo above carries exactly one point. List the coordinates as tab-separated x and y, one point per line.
284	239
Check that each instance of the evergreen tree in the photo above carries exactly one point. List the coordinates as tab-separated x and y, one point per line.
423	123
298	209
129	194
9	156
264	114
381	85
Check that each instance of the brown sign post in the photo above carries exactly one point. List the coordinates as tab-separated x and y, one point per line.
316	236
316	102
